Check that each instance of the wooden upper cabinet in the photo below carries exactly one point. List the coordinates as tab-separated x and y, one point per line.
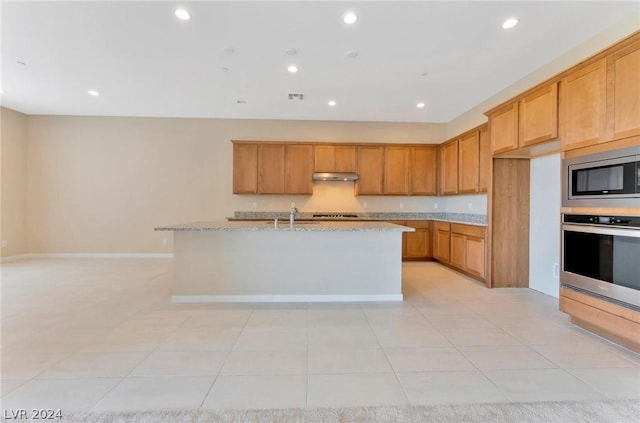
623	93
334	158
449	167
582	106
271	159
422	178
245	168
538	116
469	162
370	168
298	169
485	159
503	127
396	170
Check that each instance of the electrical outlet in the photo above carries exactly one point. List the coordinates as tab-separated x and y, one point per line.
254	204
4	244
401	205
435	205
556	270
293	204
164	241
470	206
364	205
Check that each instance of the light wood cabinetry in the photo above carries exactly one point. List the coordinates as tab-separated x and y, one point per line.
484	177
467	248
583	106
449	167
271	175
298	169
441	241
623	93
245	169
269	168
538	116
531	120
335	158
469	163
423	171
396	170
503	128
417	245
370	168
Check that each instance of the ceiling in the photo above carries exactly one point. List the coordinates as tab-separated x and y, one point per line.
230	59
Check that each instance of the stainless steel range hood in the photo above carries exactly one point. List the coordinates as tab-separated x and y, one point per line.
335	176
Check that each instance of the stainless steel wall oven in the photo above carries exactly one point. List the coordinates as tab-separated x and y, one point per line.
601	257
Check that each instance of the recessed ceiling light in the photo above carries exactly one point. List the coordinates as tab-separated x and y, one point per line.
331	103
420	105
350	18
182	14
93	93
509	23
292	68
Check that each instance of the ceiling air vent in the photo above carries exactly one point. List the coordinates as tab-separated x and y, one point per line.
296	96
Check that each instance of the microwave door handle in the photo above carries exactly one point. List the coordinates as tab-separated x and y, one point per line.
631	233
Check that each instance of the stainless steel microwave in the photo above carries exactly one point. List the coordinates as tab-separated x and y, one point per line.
609	179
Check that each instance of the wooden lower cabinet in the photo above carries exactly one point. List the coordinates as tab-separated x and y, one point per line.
467	249
441	244
417	245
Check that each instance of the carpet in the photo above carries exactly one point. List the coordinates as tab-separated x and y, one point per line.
615	411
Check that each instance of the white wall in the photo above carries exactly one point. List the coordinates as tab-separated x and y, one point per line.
544	227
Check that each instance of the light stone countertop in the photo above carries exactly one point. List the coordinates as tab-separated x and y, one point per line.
283	225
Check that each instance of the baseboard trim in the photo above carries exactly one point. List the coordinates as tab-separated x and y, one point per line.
282	298
88	255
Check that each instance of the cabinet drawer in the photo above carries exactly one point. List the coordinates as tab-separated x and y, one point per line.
443	226
418	224
477	231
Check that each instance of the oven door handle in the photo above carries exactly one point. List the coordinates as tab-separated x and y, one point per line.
631	233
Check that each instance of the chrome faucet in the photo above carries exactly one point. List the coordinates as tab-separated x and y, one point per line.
292	216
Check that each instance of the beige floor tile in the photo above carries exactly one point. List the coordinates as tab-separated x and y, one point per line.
583	356
459	387
181	363
263	392
541	385
547	335
201	339
462	321
332	361
27	365
285	319
614	383
336	337
9	385
65	394
352	390
330	317
130	342
227	318
410	337
427	359
156	393
271	340
480	336
265	363
506	357
94	364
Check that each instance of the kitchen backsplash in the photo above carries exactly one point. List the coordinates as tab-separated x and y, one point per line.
478	219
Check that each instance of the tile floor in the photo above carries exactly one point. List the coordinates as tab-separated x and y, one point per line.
101	334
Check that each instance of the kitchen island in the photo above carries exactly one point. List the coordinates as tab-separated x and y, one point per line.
311	261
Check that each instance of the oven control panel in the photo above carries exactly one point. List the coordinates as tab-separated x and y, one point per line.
630	221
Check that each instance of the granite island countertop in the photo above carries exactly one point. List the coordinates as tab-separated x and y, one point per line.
283	225
464	218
